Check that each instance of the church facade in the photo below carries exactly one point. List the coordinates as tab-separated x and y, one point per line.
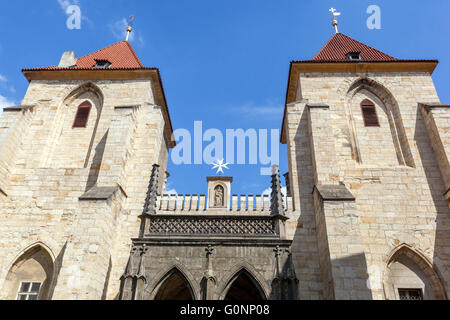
84	214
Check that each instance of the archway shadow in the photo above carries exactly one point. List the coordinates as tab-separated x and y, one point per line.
441	256
58	265
305	251
244	287
96	162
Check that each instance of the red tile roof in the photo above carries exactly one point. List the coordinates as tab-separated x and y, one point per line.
121	56
340	45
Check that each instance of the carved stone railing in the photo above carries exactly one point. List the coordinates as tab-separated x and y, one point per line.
187	216
239	203
202	225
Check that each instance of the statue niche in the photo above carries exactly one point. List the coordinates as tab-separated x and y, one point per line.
219	197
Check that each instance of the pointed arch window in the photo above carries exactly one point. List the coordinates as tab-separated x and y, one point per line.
369	113
244	287
82	116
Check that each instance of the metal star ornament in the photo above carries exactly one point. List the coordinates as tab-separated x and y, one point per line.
219	165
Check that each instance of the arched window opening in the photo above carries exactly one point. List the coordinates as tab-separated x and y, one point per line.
244	288
369	113
175	287
410	277
82	115
30	277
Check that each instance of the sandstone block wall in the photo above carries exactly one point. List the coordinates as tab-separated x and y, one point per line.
397	202
89	239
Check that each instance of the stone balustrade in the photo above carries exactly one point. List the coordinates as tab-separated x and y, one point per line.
198	203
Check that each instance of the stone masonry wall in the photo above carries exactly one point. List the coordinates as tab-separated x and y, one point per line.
90	239
301	226
395	204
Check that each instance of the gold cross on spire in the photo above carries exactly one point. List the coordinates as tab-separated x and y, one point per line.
335	22
129	28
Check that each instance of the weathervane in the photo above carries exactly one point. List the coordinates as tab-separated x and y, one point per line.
219	165
130	27
335	15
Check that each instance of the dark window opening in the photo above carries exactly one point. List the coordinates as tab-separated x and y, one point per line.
410	294
175	288
102	64
354	56
244	289
82	116
29	291
369	113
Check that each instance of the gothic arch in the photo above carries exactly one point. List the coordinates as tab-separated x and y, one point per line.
62	132
249	272
72	94
33	244
36	263
417	269
390	107
154	286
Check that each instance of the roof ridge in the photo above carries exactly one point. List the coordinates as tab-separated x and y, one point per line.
114	44
325	45
339	45
368	46
107	47
121	55
134	53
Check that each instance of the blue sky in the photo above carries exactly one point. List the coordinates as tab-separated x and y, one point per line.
223	62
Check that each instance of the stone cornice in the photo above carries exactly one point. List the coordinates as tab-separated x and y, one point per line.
318	106
212	179
192	241
334	193
101	193
19	108
433	105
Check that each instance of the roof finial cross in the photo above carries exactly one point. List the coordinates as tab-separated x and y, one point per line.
335	22
129	28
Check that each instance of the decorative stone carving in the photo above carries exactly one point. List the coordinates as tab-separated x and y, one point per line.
285	281
276	197
210	225
209	280
133	280
150	200
219	194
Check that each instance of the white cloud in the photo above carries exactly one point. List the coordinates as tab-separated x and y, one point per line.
268	191
5	102
252	110
119	31
170	189
171	192
64	4
4	84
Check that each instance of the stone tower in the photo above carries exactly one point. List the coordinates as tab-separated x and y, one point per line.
74	162
83	214
368	151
